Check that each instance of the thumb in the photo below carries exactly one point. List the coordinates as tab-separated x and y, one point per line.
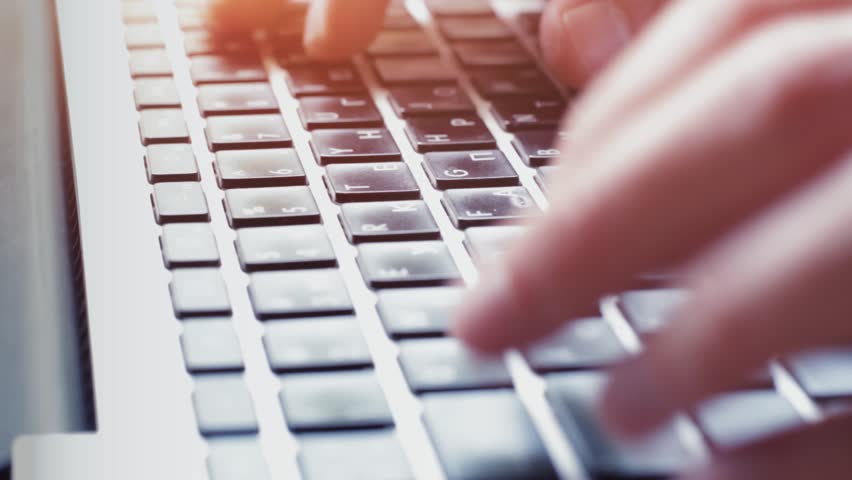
580	37
339	28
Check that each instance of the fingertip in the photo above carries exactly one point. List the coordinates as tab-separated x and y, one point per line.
632	404
337	29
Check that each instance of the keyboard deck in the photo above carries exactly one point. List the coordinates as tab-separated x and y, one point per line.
354	199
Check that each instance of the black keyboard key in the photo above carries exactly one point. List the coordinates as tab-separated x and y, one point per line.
488	244
506	53
179	202
418	312
528	113
546	176
582	344
406	264
143	35
529	22
211	346
574	398
334	400
402	43
349	146
322	80
172	162
538	148
299	293
497	83
155	93
339	112
479	29
278	248
199	292
487	168
367	455
239	132
208	43
505	444
824	374
368	182
189	245
455	8
257	207
236	98
430	100
274	167
439	364
219	69
315	344
223	405
150	63
388	221
162	125
485	206
733	420
413	70
648	311
236	458
463	132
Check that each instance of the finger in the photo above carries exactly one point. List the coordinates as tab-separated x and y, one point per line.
635	206
339	28
579	37
246	15
817	451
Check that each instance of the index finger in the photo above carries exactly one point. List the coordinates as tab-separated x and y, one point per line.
339	28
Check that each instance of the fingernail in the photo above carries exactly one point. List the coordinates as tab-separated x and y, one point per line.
479	319
632	401
597	30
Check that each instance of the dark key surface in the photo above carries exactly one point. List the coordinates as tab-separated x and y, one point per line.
406	264
367	455
211	346
172	162
162	125
418	312
299	293
339	112
254	207
388	221
504	82
318	80
199	292
546	176
236	458
528	113
402	43
143	35
414	70
274	167
538	148
489	244
278	248
530	22
179	202
487	168
505	53
208	43
735	419
574	398
462	132
485	206
357	145
485	436
368	182
824	374
582	344
334	400
430	100
223	405
236	99
455	8
440	364
237	132
189	245
332	343
485	28
221	69
155	93
150	63
648	310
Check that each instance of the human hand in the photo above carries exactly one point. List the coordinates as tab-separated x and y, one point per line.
719	140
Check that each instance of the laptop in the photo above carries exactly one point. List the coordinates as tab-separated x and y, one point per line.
224	260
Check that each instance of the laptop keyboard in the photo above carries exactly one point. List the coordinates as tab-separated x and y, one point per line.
331	396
